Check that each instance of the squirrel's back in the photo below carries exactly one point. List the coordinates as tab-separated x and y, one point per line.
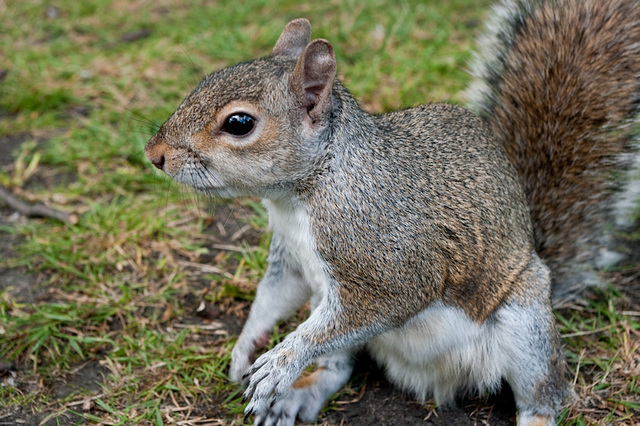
558	82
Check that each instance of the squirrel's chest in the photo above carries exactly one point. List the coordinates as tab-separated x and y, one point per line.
291	226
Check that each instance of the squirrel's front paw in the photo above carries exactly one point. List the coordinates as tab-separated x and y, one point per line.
304	404
270	377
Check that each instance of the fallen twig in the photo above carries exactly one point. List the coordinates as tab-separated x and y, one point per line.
35	210
587	332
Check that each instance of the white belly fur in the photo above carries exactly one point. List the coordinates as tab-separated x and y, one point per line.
441	352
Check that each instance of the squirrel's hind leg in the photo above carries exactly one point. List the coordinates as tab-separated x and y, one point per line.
530	340
536	369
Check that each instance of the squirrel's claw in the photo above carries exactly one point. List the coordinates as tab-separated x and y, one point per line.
270	377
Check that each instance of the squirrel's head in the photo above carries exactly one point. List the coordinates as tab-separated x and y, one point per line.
254	128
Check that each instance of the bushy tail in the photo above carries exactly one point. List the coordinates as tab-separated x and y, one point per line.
559	83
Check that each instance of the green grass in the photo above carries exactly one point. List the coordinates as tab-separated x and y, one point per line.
602	347
121	287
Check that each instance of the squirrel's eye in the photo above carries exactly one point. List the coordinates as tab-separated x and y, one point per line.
239	124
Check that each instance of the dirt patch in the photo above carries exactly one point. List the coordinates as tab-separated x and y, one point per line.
23	416
26	286
83	378
9	144
86	377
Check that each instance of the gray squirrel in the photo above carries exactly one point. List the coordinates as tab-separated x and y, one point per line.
419	233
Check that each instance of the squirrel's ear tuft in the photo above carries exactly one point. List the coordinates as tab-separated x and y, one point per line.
313	78
294	38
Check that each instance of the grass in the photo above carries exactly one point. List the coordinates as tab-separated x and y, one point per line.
151	286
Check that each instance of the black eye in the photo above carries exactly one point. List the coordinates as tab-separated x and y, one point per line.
239	124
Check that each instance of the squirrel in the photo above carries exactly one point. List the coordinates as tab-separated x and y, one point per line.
422	234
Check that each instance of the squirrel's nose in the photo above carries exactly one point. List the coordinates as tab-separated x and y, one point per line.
155	151
158	161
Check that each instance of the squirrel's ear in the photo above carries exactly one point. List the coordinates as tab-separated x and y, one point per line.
294	38
313	77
